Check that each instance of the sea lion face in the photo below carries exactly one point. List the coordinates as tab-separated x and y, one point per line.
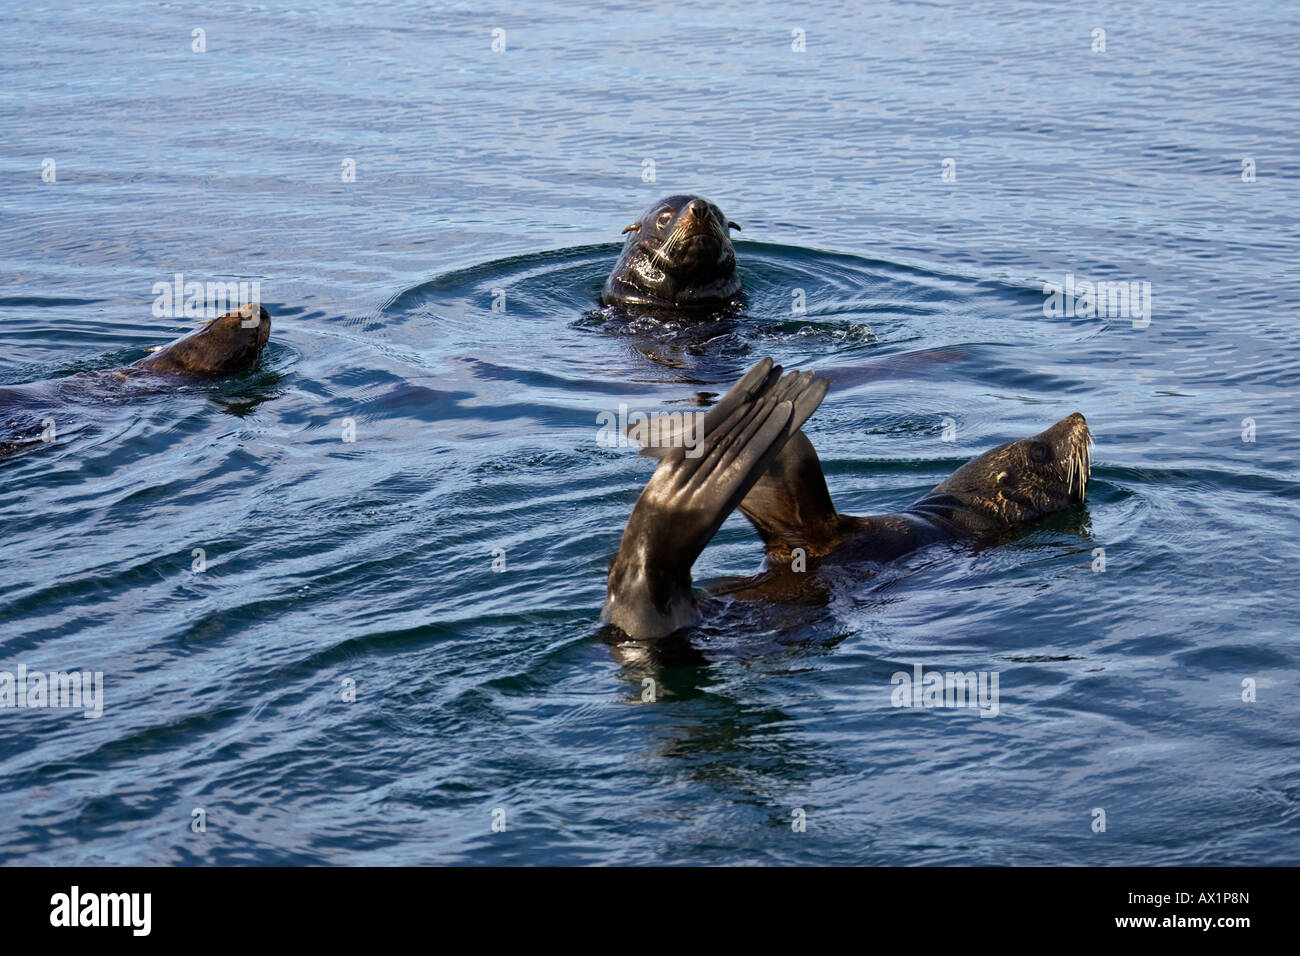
1018	482
677	255
229	343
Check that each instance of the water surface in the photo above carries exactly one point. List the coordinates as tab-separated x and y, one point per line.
484	177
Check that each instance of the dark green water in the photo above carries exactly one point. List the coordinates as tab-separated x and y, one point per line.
483	175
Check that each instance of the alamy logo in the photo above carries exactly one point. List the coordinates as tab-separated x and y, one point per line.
953	689
1084	299
103	909
198	300
78	690
618	430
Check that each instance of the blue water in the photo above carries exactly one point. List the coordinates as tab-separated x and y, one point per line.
478	690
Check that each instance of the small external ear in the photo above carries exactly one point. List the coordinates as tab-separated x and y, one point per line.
733	225
635	225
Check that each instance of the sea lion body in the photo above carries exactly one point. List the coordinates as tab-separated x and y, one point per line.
678	256
750	454
1002	489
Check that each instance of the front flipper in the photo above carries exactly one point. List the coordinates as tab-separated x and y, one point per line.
790	506
690	495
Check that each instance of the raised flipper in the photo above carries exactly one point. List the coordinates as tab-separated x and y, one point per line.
790	506
694	489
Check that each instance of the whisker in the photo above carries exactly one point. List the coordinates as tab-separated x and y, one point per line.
1084	464
667	246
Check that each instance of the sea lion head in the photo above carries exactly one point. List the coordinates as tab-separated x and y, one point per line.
1019	481
677	255
229	343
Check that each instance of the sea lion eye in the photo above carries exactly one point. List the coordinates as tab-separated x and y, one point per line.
1040	452
665	218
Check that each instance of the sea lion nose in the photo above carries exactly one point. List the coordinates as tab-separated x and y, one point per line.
699	209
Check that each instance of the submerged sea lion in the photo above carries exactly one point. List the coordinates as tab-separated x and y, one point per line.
749	453
678	255
228	344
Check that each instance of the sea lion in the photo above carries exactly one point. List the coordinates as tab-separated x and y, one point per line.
228	344
678	256
749	453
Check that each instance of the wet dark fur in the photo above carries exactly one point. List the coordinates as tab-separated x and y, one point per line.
229	343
